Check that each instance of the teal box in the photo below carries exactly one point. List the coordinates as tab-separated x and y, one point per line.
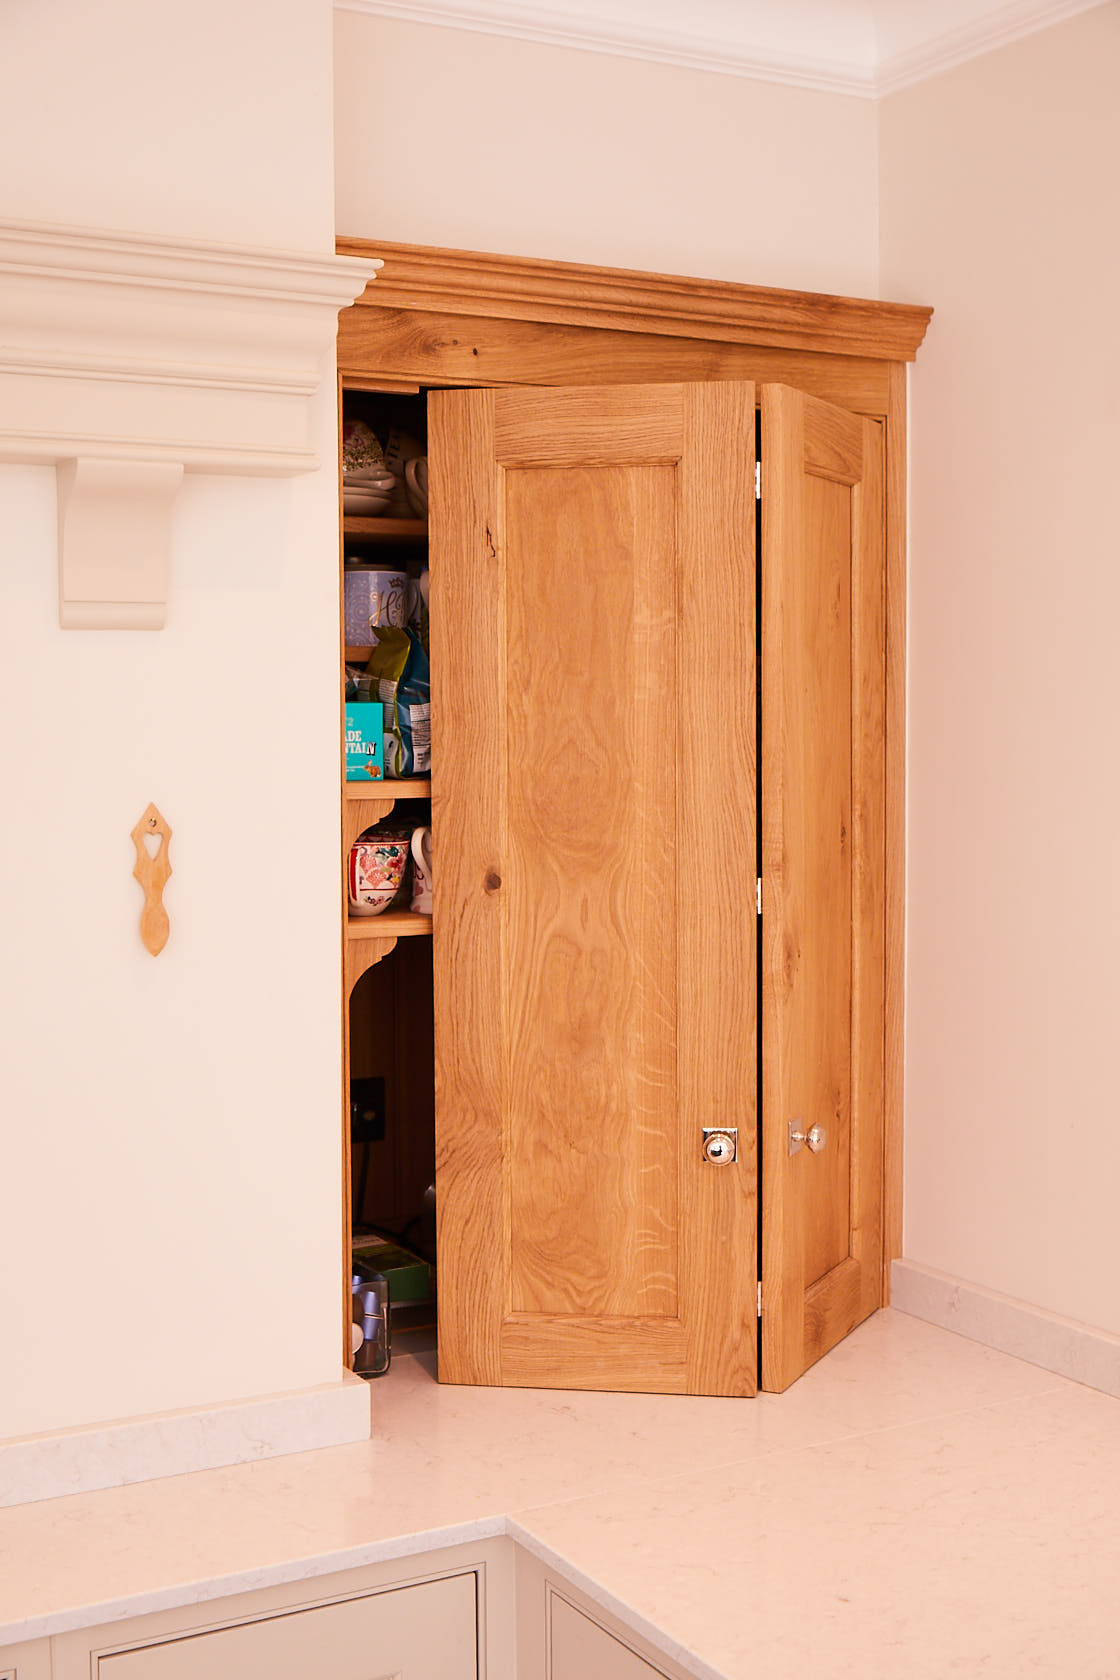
365	733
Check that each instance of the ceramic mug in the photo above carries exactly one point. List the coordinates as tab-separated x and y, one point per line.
375	599
375	872
422	871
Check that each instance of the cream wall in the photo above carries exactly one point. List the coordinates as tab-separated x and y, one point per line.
170	1129
145	118
999	208
445	137
170	1134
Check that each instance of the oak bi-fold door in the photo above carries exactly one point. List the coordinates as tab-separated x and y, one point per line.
594	797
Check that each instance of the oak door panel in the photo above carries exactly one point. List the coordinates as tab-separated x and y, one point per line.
593	752
591	896
823	814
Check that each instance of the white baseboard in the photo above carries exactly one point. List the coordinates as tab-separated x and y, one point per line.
142	1449
1078	1351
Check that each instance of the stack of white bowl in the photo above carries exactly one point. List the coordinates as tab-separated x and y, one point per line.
367	491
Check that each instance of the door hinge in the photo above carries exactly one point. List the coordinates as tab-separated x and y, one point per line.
760	1298
758	481
758	896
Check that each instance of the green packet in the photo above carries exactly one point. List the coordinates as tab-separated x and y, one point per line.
409	1277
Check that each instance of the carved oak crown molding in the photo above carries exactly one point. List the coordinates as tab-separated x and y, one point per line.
420	277
127	360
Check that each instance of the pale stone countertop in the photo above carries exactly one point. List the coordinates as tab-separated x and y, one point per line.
917	1505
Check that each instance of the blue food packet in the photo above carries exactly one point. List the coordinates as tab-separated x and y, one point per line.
365	753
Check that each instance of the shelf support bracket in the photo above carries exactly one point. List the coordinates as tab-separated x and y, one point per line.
362	955
114	542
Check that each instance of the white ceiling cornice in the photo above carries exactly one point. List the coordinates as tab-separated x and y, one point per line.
862	47
657	36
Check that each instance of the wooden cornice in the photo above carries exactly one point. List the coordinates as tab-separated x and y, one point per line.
420	277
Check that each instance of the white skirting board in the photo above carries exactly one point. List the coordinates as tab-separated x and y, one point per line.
142	1449
1078	1351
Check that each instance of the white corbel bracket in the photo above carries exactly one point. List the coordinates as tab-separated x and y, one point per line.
114	543
126	361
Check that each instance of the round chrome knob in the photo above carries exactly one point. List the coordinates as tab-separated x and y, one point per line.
719	1149
816	1137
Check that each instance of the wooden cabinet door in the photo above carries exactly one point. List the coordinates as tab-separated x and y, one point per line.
823	816
426	1632
593	638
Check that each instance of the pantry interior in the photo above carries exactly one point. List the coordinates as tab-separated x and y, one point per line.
389	1139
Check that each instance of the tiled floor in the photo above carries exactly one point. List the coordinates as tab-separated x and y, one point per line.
915	1506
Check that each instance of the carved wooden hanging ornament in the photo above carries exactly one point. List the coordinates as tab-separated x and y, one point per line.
153	867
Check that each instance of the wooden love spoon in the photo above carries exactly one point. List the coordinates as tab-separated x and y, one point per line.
152	870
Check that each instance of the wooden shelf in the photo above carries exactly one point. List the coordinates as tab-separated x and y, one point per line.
385	530
391	924
400	787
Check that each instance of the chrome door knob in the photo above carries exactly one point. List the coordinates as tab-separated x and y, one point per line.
816	1137
721	1147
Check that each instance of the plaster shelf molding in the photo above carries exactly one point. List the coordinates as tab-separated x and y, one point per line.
127	360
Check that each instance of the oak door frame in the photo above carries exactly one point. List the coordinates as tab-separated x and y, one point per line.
436	317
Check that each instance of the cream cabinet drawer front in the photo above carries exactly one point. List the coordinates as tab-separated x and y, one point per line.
579	1649
26	1662
426	1632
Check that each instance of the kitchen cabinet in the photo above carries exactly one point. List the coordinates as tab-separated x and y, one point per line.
666	797
29	1661
373	1621
419	1633
578	1646
483	1610
563	1634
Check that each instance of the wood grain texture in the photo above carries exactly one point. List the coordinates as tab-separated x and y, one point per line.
869	877
717	930
361	957
153	871
895	840
818	862
823	875
591	900
601	901
384	530
397	339
468	780
624	1355
417	276
397	924
609	426
477	350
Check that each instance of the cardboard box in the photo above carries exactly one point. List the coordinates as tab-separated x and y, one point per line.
365	741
